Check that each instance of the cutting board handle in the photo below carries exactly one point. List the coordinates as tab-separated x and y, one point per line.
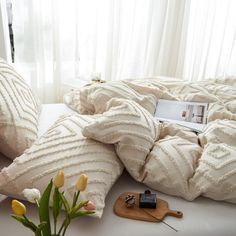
177	214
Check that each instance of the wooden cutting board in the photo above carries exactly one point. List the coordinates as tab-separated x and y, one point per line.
145	214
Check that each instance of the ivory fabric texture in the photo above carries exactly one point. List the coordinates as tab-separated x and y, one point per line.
177	161
130	127
93	99
215	176
19	112
63	147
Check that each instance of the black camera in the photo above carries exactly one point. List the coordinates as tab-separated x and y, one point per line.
147	200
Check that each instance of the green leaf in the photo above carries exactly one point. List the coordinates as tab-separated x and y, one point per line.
40	227
75	198
25	222
56	204
65	202
44	210
78	207
81	213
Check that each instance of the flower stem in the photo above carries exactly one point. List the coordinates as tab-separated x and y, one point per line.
66	226
67	222
55	227
61	227
75	199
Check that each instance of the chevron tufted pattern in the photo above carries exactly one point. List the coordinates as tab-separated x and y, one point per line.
215	176
216	173
64	147
165	156
19	113
93	99
170	165
130	127
218	132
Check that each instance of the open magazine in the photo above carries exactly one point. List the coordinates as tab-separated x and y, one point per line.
192	115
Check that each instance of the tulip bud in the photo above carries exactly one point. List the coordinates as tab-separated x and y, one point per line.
82	183
32	195
18	208
90	206
59	179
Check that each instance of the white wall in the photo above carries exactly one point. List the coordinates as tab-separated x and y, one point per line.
4	33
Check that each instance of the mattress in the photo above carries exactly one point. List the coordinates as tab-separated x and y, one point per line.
201	217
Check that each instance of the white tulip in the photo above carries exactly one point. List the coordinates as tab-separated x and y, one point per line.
32	195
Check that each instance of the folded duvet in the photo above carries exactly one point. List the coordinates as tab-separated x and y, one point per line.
165	156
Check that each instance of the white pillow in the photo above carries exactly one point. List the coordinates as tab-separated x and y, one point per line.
19	113
93	99
131	128
64	147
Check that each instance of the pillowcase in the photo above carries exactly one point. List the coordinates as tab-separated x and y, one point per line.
131	128
19	113
63	147
93	99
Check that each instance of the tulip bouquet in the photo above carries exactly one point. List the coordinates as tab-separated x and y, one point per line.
72	211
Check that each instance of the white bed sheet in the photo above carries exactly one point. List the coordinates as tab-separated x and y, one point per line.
201	217
49	114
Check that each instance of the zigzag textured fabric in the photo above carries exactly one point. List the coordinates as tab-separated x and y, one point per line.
19	113
63	147
131	128
93	99
167	157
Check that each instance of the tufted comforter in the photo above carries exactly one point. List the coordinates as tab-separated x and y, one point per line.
165	156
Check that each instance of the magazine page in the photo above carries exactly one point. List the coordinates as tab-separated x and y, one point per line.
189	114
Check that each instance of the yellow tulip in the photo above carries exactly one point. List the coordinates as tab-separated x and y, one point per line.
82	183
59	179
18	208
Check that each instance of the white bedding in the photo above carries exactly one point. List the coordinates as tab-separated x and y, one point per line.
176	162
201	217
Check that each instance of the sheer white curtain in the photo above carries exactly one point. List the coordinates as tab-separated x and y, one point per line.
211	40
57	41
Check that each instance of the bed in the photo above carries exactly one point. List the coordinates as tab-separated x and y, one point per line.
110	135
201	216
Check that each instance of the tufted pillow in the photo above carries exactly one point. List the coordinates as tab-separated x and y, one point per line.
93	99
170	165
64	147
19	113
131	128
